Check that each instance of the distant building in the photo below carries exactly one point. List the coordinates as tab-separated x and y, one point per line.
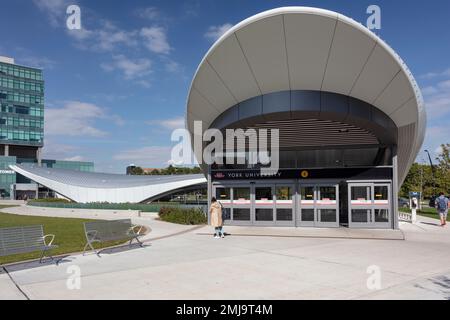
22	128
149	170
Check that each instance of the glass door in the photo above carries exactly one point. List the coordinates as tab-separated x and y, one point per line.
319	205
369	205
382	206
327	212
306	212
284	205
241	213
264	205
236	203
360	204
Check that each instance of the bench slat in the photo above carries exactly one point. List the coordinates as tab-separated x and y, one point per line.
109	230
22	239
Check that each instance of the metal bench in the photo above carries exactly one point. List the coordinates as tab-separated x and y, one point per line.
101	231
25	239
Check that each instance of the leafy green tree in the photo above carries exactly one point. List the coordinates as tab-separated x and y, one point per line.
420	176
171	170
443	169
136	171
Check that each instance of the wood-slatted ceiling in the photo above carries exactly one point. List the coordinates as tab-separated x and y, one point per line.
317	133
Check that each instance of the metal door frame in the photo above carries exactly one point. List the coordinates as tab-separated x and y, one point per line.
315	206
232	186
252	185
292	186
254	205
370	207
335	207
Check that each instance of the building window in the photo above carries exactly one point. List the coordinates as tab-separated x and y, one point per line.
22	110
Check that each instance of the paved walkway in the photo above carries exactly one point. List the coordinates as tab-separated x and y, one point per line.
191	264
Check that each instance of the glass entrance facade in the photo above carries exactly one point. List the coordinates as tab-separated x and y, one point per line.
299	203
318	205
369	205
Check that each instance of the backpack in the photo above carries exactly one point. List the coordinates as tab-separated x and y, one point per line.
441	204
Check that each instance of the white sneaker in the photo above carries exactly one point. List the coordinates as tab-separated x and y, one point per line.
222	235
216	236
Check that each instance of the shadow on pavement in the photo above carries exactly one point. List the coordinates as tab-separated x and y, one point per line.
19	266
122	248
431	224
67	258
444	284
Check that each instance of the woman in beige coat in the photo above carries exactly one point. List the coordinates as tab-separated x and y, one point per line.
215	213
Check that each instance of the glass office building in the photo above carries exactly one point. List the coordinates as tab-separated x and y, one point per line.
22	108
22	128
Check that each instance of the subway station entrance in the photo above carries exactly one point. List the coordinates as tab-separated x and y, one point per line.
305	202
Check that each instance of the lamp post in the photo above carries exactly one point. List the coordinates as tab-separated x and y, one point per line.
421	183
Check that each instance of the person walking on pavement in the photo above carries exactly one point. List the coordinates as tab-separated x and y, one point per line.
442	204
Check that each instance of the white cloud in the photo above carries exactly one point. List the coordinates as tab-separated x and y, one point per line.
435	136
77	119
37	62
215	32
155	40
75	158
144	83
438	150
437	99
432	75
107	38
437	103
110	38
149	13
54	9
153	156
170	124
429	91
445	85
55	150
173	66
131	69
81	35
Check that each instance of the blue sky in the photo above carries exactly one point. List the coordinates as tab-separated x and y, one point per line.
116	89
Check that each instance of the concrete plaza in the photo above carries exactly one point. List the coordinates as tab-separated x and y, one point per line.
185	262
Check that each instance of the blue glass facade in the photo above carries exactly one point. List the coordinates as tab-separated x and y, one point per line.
21	105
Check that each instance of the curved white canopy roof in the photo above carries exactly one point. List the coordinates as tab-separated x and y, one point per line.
302	48
88	187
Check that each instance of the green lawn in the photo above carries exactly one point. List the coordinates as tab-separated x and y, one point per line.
426	212
69	234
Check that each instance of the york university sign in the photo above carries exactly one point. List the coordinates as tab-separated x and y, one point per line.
303	174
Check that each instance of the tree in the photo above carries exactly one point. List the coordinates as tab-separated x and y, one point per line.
443	169
136	171
420	176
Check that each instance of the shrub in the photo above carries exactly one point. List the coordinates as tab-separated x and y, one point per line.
187	216
53	200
